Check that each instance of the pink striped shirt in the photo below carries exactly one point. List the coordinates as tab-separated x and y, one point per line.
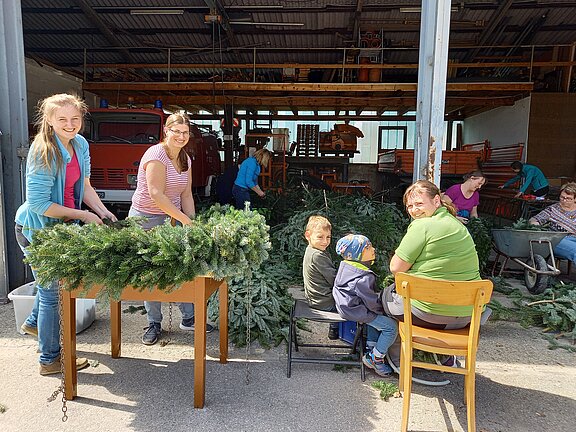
176	182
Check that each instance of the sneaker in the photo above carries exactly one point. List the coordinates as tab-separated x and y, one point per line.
152	333
188	325
378	364
333	333
55	367
452	361
29	330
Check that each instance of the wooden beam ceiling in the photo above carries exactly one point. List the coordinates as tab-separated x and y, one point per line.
299	87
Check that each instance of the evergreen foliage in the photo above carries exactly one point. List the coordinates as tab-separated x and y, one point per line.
523	224
480	231
382	223
554	309
224	242
268	285
262	299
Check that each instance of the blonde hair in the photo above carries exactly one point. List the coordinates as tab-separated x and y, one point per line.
316	222
424	187
180	118
44	146
569	188
263	156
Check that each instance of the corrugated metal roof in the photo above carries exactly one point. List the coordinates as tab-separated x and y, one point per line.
58	31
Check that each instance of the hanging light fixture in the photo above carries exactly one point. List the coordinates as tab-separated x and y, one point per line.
156	11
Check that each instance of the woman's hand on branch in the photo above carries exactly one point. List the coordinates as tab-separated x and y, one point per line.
107	214
89	217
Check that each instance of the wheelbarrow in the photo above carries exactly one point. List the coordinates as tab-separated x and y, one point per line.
532	250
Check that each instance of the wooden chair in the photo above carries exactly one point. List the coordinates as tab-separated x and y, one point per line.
461	342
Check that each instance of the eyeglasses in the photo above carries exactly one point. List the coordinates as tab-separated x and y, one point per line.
567	198
177	132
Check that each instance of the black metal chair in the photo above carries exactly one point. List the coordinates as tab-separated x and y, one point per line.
301	310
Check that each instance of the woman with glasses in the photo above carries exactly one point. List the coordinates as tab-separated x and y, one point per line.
164	191
247	178
562	217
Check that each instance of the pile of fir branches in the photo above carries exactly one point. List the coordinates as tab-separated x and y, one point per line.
263	300
383	223
223	241
479	229
554	309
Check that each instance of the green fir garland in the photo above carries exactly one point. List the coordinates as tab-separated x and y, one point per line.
223	242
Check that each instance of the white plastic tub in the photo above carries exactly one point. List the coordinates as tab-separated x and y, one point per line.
23	300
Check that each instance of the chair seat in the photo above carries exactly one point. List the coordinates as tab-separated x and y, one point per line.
302	310
443	339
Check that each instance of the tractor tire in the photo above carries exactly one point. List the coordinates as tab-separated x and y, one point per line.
536	283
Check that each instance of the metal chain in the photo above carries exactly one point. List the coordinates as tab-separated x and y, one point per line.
62	357
248	325
168	338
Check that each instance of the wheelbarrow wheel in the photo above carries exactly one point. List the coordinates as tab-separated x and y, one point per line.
535	282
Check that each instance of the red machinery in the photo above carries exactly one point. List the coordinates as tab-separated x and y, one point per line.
119	137
341	139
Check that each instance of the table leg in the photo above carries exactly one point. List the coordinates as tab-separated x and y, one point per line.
116	328
69	344
223	299
200	343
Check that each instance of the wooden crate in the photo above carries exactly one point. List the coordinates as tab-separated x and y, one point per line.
307	140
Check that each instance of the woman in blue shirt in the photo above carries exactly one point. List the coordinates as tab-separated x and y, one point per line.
247	178
531	176
57	183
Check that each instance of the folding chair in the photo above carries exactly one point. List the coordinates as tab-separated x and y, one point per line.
301	310
461	342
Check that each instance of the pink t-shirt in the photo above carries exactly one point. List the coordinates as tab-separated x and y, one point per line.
72	176
460	201
176	182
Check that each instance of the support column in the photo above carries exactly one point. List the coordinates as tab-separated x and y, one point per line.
228	136
13	142
430	102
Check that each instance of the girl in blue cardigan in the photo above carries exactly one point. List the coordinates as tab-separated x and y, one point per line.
57	183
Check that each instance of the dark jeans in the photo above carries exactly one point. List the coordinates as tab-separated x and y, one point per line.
241	195
541	192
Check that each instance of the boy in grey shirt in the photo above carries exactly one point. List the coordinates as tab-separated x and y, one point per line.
318	269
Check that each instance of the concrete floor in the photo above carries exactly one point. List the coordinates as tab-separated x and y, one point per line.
521	386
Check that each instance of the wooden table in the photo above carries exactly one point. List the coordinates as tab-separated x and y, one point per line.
196	291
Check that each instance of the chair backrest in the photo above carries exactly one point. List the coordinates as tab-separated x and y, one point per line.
458	293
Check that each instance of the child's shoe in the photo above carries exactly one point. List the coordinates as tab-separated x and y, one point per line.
377	363
333	333
452	361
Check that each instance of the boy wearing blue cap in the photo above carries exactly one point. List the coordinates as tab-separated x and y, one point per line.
357	300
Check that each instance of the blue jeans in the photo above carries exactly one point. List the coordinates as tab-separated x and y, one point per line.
241	195
566	248
45	314
154	309
382	330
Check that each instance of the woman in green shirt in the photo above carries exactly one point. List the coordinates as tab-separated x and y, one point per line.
436	246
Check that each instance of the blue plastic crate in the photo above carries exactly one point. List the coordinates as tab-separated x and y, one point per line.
347	331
